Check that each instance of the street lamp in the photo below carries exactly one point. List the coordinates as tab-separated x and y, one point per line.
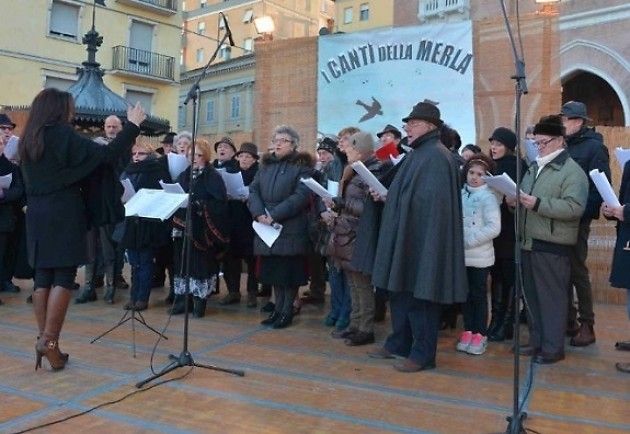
264	26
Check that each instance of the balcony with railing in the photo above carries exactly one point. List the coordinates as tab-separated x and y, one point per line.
163	7
440	9
145	63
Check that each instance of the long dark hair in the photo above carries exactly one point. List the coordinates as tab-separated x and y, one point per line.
50	107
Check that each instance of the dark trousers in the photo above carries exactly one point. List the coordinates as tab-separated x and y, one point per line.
415	326
141	262
580	278
476	306
284	298
5	272
317	266
502	276
232	269
545	277
164	263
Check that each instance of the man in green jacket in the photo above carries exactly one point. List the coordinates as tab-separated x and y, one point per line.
553	197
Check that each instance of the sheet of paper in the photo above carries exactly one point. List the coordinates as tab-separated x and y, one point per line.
333	188
269	234
369	178
128	190
5	181
177	163
623	155
398	159
244	192
501	183
11	148
156	204
316	188
603	186
233	183
174	188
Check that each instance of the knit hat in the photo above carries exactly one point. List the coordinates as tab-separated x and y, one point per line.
249	148
225	140
504	136
574	109
390	129
327	144
426	112
550	126
363	142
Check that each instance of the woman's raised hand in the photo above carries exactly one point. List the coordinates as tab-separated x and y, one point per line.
136	114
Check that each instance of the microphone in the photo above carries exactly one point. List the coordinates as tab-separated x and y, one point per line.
227	29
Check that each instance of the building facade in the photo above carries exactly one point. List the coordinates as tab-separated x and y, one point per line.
359	15
204	26
141	44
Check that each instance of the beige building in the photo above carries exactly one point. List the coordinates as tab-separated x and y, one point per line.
358	15
42	46
204	26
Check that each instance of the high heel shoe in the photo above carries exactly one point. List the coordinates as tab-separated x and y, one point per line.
49	348
65	356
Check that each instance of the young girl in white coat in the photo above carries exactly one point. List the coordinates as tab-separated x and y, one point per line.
482	223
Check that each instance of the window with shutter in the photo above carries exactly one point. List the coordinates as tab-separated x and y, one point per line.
64	19
145	99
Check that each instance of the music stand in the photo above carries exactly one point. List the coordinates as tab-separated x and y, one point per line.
130	315
185	358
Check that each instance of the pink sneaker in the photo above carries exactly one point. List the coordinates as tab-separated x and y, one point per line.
478	344
464	341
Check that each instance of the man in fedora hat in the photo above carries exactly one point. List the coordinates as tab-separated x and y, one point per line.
420	252
167	144
389	134
586	147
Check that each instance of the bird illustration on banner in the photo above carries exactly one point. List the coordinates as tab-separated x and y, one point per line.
372	110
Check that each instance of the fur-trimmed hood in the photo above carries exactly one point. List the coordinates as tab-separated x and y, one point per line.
298	158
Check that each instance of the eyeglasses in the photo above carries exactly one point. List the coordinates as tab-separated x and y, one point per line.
413	124
544	142
140	153
6	127
281	141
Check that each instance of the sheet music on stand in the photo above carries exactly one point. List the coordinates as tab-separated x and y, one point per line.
155	204
174	188
604	188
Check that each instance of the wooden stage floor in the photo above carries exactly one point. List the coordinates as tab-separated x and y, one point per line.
297	380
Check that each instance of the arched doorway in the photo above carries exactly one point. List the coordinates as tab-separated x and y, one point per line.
604	106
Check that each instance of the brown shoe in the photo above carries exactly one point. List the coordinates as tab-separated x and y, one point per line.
408	365
585	336
623	367
230	298
380	353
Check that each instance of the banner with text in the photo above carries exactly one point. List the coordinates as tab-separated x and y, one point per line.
371	79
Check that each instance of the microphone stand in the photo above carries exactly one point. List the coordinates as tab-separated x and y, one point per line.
185	358
515	421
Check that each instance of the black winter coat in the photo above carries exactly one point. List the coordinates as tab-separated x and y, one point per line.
242	233
139	232
277	188
210	216
12	196
620	270
56	214
587	148
504	243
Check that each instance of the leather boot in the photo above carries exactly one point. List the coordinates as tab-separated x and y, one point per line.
40	303
48	345
199	307
179	306
504	329
585	336
87	294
